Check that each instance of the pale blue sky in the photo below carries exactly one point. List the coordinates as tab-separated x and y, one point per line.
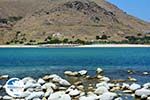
138	8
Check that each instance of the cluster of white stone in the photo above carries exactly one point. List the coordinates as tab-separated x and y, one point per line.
54	87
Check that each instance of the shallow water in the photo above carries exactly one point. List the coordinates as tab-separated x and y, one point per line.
35	62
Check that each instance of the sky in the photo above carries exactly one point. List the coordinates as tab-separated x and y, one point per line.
137	8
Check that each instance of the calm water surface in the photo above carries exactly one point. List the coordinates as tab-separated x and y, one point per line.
35	62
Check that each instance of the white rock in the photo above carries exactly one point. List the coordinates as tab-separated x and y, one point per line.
82	94
142	91
25	94
91	94
70	88
70	73
29	80
134	86
30	89
41	81
64	82
99	70
145	73
35	95
146	85
106	79
82	72
6	97
91	97
108	96
148	98
36	99
132	79
99	76
62	88
102	84
48	92
117	85
125	86
74	92
46	77
55	78
31	85
111	85
143	97
127	91
49	85
101	90
59	96
4	76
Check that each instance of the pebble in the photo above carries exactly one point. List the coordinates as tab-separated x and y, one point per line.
64	82
142	91
146	85
41	81
89	97
125	86
145	73
49	85
35	95
99	76
6	97
132	79
80	87
31	85
82	72
106	79
70	73
134	86
103	84
101	90
48	92
4	77
59	96
74	93
99	70
148	98
108	96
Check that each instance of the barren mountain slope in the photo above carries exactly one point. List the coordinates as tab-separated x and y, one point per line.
71	19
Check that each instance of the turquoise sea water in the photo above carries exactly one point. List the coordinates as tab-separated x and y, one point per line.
35	62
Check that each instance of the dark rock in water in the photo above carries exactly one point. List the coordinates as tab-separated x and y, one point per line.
131	71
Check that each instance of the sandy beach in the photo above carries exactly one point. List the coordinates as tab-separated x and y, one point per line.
113	45
74	45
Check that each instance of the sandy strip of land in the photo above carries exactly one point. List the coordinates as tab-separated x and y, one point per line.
113	45
73	45
19	46
39	46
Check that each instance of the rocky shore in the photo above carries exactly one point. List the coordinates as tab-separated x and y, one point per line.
79	86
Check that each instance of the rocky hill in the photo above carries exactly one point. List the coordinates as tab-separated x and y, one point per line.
73	21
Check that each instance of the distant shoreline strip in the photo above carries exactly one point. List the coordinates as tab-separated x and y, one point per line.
73	45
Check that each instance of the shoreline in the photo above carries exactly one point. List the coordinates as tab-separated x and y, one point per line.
113	45
78	85
74	46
